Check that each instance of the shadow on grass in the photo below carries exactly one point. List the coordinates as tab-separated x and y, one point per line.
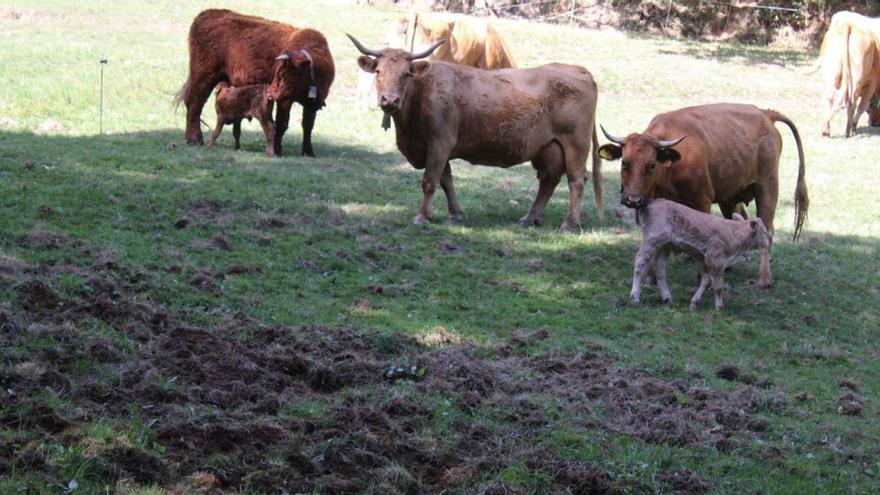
743	54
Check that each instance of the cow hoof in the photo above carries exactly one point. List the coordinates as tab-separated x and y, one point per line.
667	301
419	220
454	219
194	141
693	305
570	227
761	284
634	300
529	222
310	154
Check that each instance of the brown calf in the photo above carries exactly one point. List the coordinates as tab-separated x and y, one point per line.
717	243
247	102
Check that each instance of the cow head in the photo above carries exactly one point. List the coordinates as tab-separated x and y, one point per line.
395	70
292	76
758	237
640	155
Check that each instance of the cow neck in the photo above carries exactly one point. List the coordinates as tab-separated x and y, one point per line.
740	238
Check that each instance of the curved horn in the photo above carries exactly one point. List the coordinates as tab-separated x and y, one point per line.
283	56
427	52
613	139
361	48
670	144
308	55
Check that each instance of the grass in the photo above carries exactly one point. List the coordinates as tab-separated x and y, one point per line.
328	233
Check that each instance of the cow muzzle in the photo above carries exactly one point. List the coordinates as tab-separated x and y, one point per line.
633	200
389	103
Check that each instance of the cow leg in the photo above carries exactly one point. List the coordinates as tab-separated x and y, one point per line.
451	200
644	258
269	131
766	206
434	168
310	111
282	118
549	167
716	275
833	101
194	100
236	133
217	131
850	111
575	171
660	275
704	283
864	102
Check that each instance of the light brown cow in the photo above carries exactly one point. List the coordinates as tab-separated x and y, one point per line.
471	42
724	153
849	59
669	227
233	104
500	118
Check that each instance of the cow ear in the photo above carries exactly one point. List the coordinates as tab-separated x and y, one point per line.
737	217
668	156
610	151
753	224
419	68
367	64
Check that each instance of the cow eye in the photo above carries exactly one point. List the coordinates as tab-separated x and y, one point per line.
625	165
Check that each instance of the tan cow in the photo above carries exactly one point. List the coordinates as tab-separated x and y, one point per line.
471	42
717	243
500	118
850	63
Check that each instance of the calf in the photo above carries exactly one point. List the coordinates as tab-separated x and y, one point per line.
245	102
717	243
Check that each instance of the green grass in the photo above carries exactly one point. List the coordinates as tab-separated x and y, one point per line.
345	225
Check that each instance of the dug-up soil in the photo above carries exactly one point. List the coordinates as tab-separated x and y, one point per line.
270	408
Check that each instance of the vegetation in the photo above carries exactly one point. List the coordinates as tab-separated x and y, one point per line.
118	250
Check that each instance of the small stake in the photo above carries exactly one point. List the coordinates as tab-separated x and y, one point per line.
101	105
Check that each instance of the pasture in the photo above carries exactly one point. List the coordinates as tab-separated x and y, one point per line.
174	317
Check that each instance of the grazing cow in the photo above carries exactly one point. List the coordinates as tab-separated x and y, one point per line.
247	102
669	227
723	153
850	62
244	50
443	111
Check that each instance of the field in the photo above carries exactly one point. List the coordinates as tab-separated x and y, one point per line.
204	321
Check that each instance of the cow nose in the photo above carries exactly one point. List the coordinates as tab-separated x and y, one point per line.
389	102
633	200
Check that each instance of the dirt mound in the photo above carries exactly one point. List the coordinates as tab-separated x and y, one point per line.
273	408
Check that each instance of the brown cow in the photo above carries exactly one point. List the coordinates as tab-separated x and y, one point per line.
850	62
724	153
443	111
247	102
245	50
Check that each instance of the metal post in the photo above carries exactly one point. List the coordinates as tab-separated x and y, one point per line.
101	105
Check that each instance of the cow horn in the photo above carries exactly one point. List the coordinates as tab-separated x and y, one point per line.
416	56
613	139
361	48
670	144
283	56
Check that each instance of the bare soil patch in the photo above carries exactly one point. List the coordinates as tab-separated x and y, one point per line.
232	402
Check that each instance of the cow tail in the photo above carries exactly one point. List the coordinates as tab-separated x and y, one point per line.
850	89
801	200
597	175
182	95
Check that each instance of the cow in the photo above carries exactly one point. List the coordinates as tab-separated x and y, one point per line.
669	227
500	118
723	153
247	102
849	59
470	42
244	50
